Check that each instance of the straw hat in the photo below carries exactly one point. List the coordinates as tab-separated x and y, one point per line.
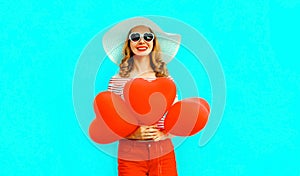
113	40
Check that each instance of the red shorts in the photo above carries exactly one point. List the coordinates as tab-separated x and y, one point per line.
136	158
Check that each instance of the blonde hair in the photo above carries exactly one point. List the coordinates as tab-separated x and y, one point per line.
156	61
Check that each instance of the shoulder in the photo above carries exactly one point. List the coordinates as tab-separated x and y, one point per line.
117	79
116	84
170	77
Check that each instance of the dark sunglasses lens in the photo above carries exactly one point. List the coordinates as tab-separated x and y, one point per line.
135	37
148	37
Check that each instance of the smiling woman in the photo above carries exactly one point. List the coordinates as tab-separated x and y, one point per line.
141	41
148	150
141	44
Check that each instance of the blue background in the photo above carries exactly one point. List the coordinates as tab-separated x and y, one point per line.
258	47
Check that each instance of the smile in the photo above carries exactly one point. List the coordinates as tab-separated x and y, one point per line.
142	48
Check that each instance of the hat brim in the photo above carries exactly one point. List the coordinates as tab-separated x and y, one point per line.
113	40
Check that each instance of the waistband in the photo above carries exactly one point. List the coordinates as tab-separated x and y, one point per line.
144	141
138	151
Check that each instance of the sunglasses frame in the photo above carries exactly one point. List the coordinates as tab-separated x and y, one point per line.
141	36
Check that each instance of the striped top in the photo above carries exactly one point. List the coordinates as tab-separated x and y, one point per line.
116	85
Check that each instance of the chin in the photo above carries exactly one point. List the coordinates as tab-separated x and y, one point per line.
145	53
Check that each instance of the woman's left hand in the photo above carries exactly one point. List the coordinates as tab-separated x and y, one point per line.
148	133
161	136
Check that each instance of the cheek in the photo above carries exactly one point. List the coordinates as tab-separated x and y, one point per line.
151	47
131	46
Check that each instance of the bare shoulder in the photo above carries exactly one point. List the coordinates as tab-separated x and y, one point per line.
170	77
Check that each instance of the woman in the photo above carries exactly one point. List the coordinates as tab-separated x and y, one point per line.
147	151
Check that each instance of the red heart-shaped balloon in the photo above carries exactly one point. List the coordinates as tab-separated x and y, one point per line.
114	119
101	133
149	100
187	117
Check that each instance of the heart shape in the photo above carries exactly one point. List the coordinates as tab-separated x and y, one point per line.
101	133
187	117
149	100
113	119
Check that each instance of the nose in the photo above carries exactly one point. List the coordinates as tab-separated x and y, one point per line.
142	40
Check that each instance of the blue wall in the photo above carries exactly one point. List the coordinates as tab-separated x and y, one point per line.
258	47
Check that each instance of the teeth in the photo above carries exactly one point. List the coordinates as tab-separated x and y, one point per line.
142	48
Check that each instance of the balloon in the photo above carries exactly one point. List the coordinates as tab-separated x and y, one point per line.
187	117
201	101
113	117
101	133
149	100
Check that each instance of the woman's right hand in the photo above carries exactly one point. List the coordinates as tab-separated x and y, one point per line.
145	133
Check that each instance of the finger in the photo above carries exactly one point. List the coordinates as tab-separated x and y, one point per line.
152	130
157	138
144	129
153	126
150	127
147	137
150	135
160	135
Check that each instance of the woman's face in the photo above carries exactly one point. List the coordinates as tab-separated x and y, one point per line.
141	47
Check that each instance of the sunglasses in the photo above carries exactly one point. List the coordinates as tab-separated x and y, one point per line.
136	36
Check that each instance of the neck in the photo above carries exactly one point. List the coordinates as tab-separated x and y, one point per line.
141	64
